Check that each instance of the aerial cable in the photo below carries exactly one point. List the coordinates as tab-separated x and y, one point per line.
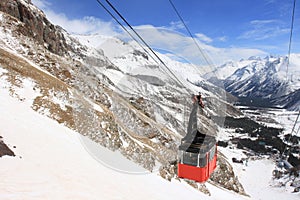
287	67
290	42
125	29
144	42
298	130
296	133
288	141
209	63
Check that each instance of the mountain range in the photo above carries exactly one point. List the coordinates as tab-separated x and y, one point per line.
116	98
272	81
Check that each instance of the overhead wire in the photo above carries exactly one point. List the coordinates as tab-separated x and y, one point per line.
298	130
145	43
202	53
290	41
287	67
167	68
154	53
209	63
125	29
290	136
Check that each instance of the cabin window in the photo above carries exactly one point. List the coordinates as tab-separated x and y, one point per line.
212	153
190	158
202	160
180	156
194	159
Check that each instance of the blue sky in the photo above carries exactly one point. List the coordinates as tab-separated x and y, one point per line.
225	29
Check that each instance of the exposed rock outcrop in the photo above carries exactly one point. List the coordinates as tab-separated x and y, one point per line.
36	25
4	149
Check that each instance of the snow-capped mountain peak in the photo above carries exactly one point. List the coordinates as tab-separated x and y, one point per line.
265	78
60	95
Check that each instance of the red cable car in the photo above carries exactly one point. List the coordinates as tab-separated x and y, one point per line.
197	152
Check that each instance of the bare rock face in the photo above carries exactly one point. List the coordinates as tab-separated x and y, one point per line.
36	25
4	149
129	120
225	177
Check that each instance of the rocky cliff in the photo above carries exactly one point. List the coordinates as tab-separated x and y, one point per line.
80	88
34	24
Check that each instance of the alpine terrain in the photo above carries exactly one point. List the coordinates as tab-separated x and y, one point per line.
266	82
95	117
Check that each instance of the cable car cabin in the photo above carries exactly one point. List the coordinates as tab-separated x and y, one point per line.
197	159
197	151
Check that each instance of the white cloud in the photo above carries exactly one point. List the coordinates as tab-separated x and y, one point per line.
222	39
203	38
164	38
264	29
263	22
85	25
184	46
176	25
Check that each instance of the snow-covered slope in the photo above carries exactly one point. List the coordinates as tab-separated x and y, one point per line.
124	104
227	69
139	115
270	79
52	163
259	79
132	59
290	101
141	73
166	88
